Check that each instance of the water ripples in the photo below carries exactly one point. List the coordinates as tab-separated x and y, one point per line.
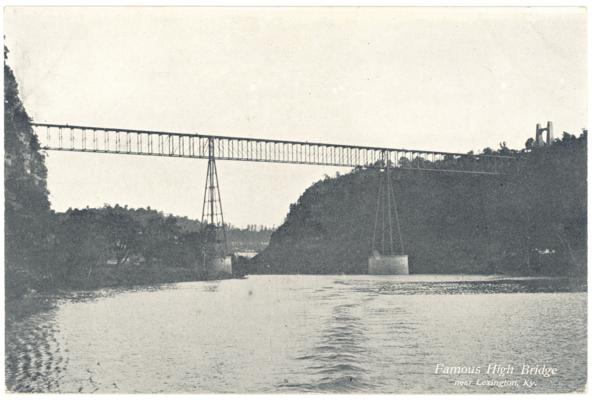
338	362
293	334
35	361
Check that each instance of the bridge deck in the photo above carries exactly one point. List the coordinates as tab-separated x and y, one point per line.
172	144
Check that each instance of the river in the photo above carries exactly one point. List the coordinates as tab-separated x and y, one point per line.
290	333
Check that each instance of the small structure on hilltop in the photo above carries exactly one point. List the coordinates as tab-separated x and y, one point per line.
538	140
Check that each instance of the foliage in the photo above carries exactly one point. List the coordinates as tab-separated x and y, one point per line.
86	248
532	221
149	246
25	190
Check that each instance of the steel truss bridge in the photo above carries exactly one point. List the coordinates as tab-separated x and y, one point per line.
87	139
172	144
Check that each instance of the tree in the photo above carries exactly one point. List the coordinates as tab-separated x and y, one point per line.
27	215
449	222
123	233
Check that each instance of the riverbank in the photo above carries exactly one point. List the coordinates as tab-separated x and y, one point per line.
105	277
17	309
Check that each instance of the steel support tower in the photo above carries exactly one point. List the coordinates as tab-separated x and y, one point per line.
212	216
386	221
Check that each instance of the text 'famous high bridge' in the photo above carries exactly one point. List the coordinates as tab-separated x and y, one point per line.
388	254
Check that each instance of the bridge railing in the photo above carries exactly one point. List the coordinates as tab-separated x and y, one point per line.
172	144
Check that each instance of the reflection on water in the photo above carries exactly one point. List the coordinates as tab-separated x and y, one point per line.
303	334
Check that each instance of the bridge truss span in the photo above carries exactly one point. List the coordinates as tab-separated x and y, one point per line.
172	144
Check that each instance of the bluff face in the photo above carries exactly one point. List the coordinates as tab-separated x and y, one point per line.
529	222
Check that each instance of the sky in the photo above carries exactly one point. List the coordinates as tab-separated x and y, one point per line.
421	78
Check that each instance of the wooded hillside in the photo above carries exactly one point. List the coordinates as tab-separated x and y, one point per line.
529	222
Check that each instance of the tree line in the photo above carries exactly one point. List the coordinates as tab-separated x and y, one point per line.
531	221
92	247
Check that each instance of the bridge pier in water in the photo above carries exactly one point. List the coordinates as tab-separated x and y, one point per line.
387	257
216	259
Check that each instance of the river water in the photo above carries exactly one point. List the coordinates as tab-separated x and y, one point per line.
305	334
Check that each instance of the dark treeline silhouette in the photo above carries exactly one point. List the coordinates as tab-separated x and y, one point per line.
120	246
532	221
26	206
529	222
90	248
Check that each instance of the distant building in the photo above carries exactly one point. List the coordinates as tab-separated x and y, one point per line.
538	140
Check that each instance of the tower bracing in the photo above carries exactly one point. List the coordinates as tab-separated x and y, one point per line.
214	240
212	216
387	244
388	253
387	238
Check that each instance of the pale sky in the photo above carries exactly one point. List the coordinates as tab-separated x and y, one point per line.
431	78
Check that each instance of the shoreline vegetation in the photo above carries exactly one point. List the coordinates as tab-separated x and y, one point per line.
529	223
85	249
